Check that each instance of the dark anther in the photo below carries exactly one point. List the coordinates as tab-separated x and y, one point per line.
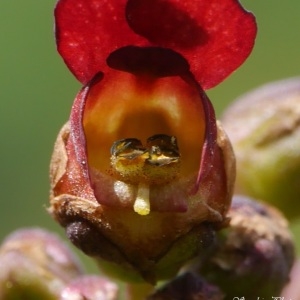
163	149
127	148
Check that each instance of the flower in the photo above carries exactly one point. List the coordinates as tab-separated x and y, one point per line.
142	173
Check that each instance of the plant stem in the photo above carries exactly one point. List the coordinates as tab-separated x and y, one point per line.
138	291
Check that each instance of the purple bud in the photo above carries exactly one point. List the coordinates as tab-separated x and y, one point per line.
35	264
254	255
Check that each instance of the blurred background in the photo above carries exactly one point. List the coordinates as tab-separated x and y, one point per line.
37	90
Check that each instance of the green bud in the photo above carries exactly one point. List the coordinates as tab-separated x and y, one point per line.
264	128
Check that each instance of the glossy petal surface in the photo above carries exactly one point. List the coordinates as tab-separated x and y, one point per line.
215	37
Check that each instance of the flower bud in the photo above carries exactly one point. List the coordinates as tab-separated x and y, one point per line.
35	264
254	255
90	287
264	128
143	174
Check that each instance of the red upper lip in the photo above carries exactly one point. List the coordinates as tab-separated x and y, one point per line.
214	36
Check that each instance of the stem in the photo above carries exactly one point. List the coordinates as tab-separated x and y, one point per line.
138	291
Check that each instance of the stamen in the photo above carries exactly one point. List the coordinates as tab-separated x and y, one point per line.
156	164
163	150
142	202
127	148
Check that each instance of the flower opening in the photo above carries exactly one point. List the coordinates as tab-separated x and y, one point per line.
130	106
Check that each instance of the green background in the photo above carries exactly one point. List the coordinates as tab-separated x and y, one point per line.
37	90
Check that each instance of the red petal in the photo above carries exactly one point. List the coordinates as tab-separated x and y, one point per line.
87	31
214	36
